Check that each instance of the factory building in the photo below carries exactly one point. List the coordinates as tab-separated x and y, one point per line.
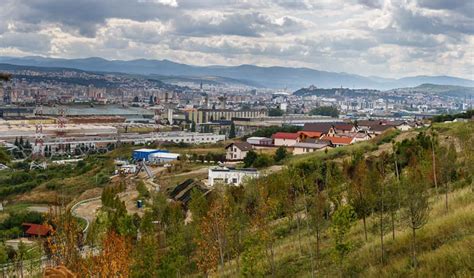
161	157
208	115
144	154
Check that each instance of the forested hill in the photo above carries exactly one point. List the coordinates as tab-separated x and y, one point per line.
70	76
312	90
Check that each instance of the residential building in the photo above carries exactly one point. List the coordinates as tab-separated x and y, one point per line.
230	176
339	141
237	150
329	129
285	139
310	146
303	135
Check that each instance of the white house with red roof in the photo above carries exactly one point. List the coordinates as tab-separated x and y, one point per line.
285	139
339	141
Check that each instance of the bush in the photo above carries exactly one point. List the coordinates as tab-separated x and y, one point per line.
53	185
263	160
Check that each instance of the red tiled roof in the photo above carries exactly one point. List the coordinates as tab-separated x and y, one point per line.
312	134
339	140
343	126
36	229
285	135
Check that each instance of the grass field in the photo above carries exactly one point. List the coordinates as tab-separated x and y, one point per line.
445	247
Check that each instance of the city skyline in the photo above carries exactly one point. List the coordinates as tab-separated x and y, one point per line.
384	38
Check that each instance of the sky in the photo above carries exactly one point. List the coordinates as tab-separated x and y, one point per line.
389	38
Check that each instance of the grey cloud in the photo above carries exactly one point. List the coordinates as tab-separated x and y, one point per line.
465	7
393	36
87	15
293	4
412	20
247	25
334	34
374	4
29	42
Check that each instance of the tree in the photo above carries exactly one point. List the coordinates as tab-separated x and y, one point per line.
4	156
417	205
319	209
325	111
252	263
232	131
447	169
280	154
342	221
275	112
113	259
262	160
193	126
250	158
212	239
360	194
238	222
64	241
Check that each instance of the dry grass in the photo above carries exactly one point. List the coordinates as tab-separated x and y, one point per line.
444	250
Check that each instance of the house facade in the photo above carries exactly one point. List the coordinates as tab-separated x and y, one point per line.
230	176
285	139
237	151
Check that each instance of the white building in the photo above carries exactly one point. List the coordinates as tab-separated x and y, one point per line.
237	150
306	147
188	137
163	157
285	139
230	176
260	141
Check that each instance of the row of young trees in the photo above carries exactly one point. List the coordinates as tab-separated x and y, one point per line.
237	228
260	160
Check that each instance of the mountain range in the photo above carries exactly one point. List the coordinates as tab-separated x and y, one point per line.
248	75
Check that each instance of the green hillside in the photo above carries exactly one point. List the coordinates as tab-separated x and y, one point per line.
399	205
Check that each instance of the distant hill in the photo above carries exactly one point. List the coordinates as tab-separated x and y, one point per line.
271	77
96	79
450	90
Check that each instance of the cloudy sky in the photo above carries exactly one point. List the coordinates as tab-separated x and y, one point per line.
391	38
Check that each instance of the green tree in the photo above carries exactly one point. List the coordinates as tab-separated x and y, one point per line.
4	156
417	205
342	221
275	112
360	194
193	126
3	254
252	263
447	169
280	154
325	111
263	160
232	131
250	158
